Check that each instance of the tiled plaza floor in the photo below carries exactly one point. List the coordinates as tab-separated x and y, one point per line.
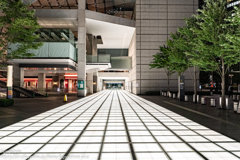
113	125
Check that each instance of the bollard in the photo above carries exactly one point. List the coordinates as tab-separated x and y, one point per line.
170	95
238	109
194	98
174	95
178	96
220	102
235	106
239	105
203	100
238	97
234	97
198	98
213	103
227	103
186	98
165	94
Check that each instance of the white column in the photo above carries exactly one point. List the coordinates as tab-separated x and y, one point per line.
90	82
70	85
99	84
97	79
41	81
104	86
81	45
18	78
9	81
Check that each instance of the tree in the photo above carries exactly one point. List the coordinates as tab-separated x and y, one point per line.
17	26
218	39
163	60
179	60
185	43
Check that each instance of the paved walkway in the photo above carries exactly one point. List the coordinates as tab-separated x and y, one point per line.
28	107
113	125
224	121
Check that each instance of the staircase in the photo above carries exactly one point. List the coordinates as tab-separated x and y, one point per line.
21	90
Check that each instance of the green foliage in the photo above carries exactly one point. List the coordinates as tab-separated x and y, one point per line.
217	41
6	102
218	36
163	60
186	42
17	25
178	60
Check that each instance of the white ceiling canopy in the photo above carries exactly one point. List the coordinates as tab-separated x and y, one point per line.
113	35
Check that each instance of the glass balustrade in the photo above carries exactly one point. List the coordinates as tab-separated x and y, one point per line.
53	50
103	58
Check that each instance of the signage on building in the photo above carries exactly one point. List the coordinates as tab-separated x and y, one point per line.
80	85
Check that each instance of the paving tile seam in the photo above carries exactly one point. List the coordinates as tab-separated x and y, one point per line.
166	153
107	94
96	131
68	106
203	114
166	126
142	99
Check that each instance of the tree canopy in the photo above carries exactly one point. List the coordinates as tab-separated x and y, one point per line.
218	37
17	26
178	58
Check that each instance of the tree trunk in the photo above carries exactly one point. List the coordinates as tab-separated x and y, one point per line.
168	82
223	86
195	85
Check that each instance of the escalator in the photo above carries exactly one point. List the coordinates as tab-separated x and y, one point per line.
25	92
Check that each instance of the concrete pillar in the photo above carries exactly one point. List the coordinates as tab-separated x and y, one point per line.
96	87
55	83
18	75
90	82
41	81
104	86
18	78
70	85
9	81
91	45
99	84
81	45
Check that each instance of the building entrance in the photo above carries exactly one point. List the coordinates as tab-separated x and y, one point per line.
114	85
